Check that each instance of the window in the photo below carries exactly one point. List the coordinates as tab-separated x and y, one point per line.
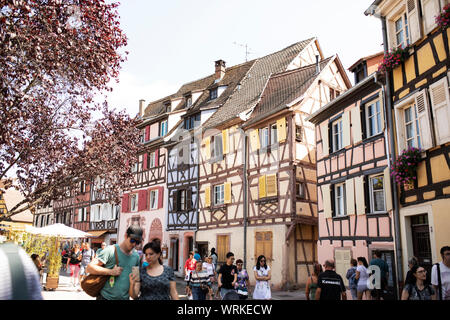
152	161
339	204
337	135
191	122
153	199
216	147
167	107
412	127
273	134
402	31
182	200
298	133
163	128
300	190
82	187
264	137
188	101
134	167
374	118
134	202
219	193
213	94
377	203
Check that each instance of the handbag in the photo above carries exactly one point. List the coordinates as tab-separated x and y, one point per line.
92	284
204	287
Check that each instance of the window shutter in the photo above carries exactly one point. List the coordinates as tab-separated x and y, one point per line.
207	152
326	197
346	129
157	158
423	113
160	197
225	141
440	102
392	36
387	189
430	9
359	194
125	202
227	192
415	29
175	200
271	185
355	115
189	199
281	128
262	187
382	117
350	195
325	142
145	164
147	133
142	200
400	128
254	140
208	196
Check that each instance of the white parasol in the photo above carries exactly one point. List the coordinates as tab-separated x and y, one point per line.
61	230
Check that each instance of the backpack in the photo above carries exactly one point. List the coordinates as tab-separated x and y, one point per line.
438	270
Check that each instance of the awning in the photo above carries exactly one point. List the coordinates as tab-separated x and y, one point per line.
98	233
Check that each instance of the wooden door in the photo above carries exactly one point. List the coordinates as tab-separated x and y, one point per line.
223	247
263	245
342	259
421	241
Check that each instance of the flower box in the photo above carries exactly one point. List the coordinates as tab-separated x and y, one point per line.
404	169
443	20
393	59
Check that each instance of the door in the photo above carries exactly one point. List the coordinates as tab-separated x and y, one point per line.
223	247
263	246
174	253
421	241
389	257
202	248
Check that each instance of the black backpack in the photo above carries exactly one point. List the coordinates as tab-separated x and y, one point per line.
438	269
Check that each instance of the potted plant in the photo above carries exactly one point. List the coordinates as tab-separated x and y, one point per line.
404	168
443	19
393	59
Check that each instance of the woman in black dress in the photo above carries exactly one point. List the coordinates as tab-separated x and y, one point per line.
156	281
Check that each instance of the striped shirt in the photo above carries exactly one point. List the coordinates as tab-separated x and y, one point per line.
31	276
197	278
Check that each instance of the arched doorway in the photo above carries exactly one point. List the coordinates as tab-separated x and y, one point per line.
156	230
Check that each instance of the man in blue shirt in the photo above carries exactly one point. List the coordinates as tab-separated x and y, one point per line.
384	268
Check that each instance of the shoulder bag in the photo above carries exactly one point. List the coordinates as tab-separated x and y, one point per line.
438	270
92	284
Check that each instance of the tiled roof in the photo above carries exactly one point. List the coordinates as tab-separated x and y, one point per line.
253	84
283	88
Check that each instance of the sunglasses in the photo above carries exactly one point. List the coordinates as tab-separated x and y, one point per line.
138	242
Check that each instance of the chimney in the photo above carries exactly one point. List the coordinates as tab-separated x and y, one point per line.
141	107
317	64
220	69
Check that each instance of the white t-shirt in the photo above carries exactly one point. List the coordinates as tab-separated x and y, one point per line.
445	278
208	267
363	274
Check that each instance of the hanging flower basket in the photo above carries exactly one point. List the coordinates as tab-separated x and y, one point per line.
443	20
404	169
393	59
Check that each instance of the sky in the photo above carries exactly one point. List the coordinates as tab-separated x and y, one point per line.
173	42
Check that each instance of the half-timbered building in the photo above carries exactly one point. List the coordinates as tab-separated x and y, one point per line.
200	99
420	105
353	173
237	213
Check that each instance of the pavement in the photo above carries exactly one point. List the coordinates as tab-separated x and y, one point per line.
66	291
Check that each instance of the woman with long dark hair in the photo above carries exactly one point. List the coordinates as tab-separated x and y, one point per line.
313	282
262	274
155	281
362	275
420	289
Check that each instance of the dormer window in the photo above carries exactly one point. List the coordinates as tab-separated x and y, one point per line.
167	107
188	101
213	94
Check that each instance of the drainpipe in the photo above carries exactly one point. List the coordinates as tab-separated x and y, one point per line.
245	186
391	159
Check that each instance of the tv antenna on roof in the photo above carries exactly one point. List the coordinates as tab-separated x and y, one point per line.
247	52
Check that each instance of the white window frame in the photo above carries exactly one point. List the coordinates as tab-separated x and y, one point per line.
264	137
163	128
134	202
219	194
378	115
153	197
405	29
217	148
152	159
338	133
337	210
213	96
372	194
415	125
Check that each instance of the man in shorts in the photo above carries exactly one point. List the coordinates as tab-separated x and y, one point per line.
87	255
